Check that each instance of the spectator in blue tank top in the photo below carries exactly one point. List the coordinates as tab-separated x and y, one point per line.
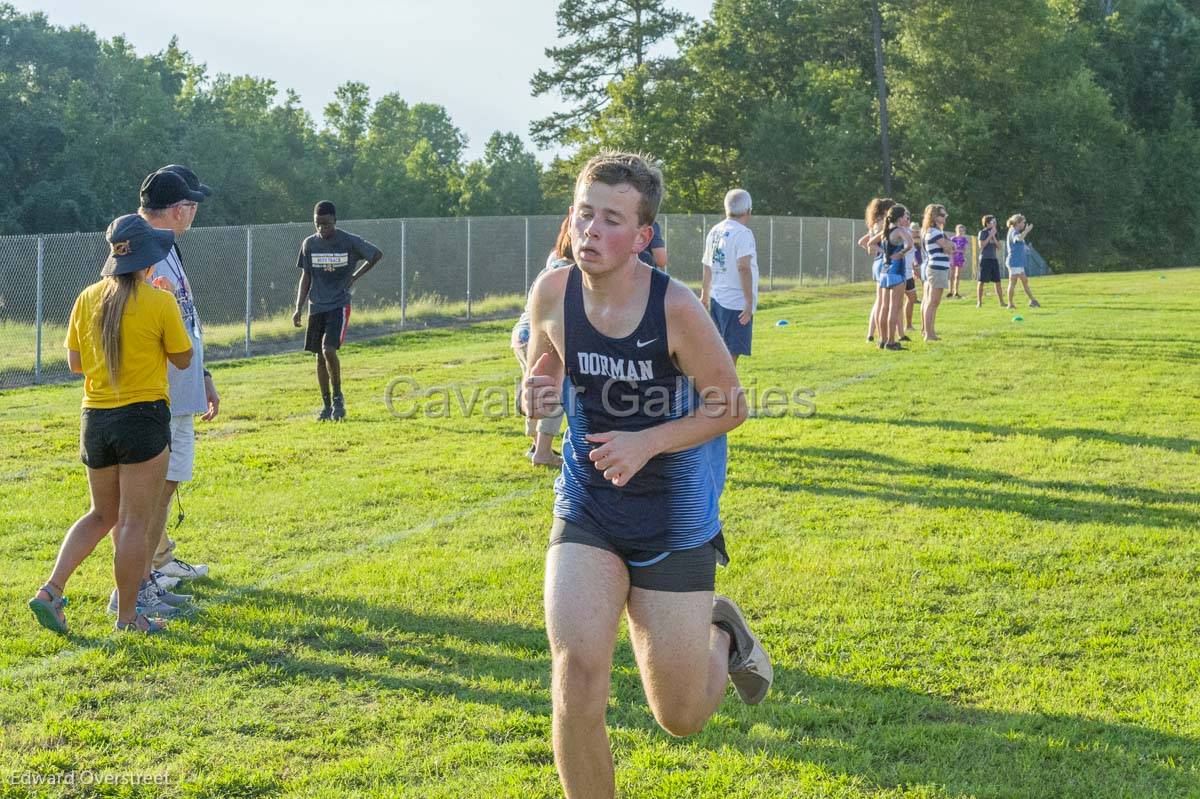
620	503
871	241
1018	258
655	253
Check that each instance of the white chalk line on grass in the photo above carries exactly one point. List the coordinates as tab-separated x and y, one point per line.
59	658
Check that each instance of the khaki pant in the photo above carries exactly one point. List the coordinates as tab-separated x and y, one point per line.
165	552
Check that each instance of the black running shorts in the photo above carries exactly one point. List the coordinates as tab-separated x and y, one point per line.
327	329
682	570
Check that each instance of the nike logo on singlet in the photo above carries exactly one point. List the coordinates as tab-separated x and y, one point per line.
592	363
641	343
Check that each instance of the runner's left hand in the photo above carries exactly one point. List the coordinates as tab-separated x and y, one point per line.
622	454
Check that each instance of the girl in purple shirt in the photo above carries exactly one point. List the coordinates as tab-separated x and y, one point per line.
958	259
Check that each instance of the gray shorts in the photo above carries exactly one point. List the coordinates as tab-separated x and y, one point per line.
678	571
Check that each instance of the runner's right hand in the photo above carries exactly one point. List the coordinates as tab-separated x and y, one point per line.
539	391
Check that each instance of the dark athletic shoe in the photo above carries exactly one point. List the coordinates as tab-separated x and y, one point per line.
893	346
325	415
339	408
749	665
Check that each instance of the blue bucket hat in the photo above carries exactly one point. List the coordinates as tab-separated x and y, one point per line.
189	177
134	244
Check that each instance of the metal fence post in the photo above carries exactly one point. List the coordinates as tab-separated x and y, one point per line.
771	255
801	251
828	254
249	283
853	244
403	290
41	263
468	269
526	255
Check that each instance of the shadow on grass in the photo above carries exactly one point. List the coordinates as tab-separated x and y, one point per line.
1174	443
878	476
889	737
1139	351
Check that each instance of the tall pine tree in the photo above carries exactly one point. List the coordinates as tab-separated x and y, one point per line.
602	42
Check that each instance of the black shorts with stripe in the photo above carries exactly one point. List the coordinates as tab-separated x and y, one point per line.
680	570
327	329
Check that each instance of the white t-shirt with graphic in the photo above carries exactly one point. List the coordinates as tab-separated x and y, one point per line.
728	241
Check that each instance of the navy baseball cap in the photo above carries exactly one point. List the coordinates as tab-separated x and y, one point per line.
134	244
188	175
163	189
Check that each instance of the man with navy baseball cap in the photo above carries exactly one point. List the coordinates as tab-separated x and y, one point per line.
189	176
169	199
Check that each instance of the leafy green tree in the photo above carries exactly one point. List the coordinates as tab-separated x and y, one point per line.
505	181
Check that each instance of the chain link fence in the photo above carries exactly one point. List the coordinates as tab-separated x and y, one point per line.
433	271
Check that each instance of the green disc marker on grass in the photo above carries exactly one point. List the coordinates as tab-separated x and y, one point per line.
1018	318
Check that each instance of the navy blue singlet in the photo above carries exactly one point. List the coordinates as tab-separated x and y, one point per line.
631	383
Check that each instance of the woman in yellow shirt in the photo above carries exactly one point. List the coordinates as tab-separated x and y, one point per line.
121	335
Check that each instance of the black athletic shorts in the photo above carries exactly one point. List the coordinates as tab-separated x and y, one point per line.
327	329
128	434
989	270
910	284
682	570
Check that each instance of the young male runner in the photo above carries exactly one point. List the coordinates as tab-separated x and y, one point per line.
649	391
328	261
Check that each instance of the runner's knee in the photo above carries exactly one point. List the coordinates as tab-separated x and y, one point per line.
583	680
680	718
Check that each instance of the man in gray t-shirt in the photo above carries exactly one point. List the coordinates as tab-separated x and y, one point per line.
329	265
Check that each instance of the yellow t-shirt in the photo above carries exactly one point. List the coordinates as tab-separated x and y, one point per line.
150	328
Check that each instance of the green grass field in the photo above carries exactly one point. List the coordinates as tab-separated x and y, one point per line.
975	568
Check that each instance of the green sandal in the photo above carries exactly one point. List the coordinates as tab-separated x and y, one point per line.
151	628
49	613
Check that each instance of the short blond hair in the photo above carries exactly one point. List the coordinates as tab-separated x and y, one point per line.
613	168
1014	219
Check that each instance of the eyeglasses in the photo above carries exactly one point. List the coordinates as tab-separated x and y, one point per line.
185	204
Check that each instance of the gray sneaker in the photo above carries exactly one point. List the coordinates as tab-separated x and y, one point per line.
153	601
749	665
172	599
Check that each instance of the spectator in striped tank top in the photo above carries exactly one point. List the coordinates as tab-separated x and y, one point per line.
937	266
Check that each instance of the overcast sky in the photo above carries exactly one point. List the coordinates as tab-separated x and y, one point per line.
475	58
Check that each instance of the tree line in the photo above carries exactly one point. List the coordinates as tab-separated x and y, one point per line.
86	119
1081	114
